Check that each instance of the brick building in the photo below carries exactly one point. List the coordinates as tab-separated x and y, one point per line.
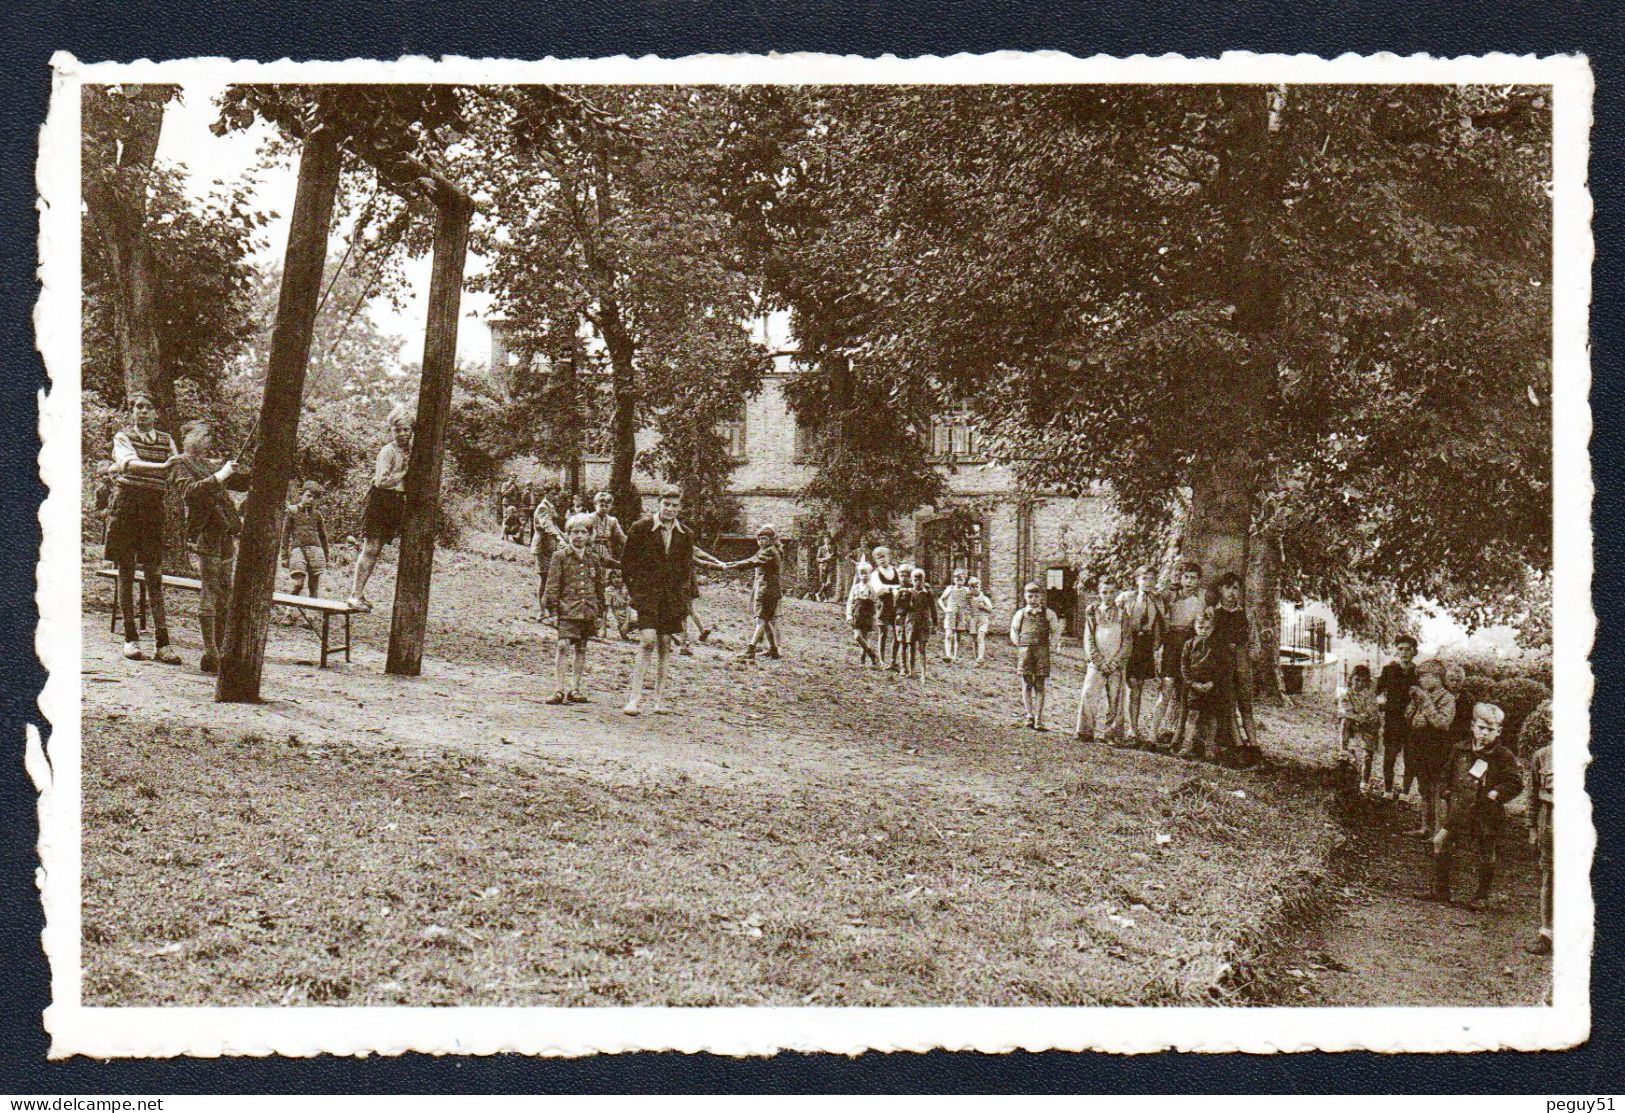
986	523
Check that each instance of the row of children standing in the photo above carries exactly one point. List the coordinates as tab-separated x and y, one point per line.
1449	747
896	602
1190	645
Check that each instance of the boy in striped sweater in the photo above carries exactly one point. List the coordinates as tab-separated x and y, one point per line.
143	456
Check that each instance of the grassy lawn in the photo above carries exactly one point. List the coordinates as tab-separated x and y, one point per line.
261	871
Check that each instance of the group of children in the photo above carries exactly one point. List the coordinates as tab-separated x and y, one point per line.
1451	750
895	602
1191	645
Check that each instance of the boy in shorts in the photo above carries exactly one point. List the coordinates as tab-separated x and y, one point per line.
1035	631
386	505
765	592
575	593
304	541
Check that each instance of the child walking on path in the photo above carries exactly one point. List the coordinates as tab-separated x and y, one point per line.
1105	645
386	505
918	606
956	612
1209	671
1035	631
1429	717
608	541
1394	686
574	592
212	526
304	541
1479	780
1361	720
885	582
143	456
860	614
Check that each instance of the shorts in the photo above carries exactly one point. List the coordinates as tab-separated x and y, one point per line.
544	557
767	607
307	559
917	633
137	530
982	623
382	518
1142	657
1363	733
1173	650
957	621
663	616
888	610
1033	663
577	631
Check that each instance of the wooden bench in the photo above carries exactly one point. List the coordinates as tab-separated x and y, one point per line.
327	608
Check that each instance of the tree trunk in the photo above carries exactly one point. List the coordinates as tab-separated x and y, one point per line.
254	580
117	167
410	619
1264	611
624	426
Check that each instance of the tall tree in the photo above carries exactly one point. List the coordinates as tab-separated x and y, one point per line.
119	142
620	229
1275	302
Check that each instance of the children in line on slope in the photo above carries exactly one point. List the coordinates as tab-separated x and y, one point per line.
143	457
386	504
513	524
1035	631
918	607
574	593
305	552
1480	780
1144	618
1394	684
1360	722
956	614
860	614
1428	717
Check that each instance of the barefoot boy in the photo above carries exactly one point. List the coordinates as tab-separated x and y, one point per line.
1035	631
575	593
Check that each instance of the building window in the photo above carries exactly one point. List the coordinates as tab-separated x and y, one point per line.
805	435
732	433
954	438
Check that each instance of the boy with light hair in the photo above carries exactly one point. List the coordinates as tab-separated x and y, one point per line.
1105	645
1035	631
386	504
1482	777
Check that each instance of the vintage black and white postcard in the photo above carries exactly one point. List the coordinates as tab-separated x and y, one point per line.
803	552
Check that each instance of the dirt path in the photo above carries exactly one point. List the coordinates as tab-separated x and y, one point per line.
1378	941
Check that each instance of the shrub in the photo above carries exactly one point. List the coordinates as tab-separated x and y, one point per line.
1517	696
1535	664
1537	729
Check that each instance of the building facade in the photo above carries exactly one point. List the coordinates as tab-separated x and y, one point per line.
986	522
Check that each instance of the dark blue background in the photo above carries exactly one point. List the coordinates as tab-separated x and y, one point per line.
126	31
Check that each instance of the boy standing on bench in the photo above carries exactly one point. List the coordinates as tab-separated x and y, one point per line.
304	541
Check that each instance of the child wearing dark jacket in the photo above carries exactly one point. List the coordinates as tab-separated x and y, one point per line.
1208	667
1479	781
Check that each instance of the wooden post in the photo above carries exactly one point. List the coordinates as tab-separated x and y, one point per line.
410	619
248	615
